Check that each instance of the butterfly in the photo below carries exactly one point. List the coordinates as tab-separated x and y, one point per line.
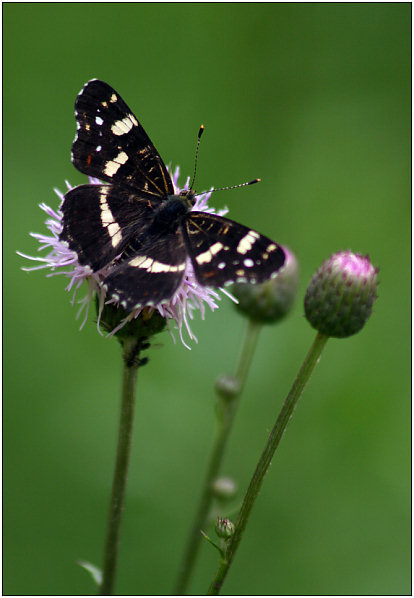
135	226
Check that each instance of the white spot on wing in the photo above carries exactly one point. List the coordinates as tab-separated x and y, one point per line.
246	243
112	166
99	120
207	256
108	220
115	231
121	127
151	265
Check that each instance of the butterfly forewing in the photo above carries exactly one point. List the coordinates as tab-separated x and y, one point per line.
223	251
100	220
112	145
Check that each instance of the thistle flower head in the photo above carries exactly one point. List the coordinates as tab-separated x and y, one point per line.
341	294
272	300
180	309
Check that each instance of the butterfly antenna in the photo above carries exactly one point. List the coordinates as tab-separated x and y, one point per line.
233	186
196	154
240	185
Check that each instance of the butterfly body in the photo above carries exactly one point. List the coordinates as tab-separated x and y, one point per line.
136	227
169	214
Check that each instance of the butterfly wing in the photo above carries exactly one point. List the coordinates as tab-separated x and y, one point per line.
149	272
100	220
223	251
112	145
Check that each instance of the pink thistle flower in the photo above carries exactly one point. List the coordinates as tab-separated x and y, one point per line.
189	297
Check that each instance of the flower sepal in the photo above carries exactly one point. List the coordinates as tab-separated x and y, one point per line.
146	324
133	332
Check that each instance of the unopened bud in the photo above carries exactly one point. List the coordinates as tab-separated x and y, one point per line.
227	387
224	488
272	300
341	293
224	528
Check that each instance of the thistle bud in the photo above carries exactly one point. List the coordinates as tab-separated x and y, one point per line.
227	387
341	293
224	528
270	301
224	489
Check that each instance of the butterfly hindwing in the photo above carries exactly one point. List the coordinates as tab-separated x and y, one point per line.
112	145
223	251
149	274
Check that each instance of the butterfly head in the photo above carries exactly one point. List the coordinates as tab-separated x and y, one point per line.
188	197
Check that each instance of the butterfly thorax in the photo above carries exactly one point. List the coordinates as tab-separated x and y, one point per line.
170	213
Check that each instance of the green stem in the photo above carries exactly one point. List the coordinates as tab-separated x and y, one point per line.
224	425
131	363
247	352
282	421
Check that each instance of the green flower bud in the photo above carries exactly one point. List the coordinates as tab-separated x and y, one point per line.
224	489
341	293
224	528
227	387
270	301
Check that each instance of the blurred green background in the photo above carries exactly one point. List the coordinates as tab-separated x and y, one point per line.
315	100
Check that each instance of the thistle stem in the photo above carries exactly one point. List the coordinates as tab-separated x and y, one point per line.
282	421
131	363
224	425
